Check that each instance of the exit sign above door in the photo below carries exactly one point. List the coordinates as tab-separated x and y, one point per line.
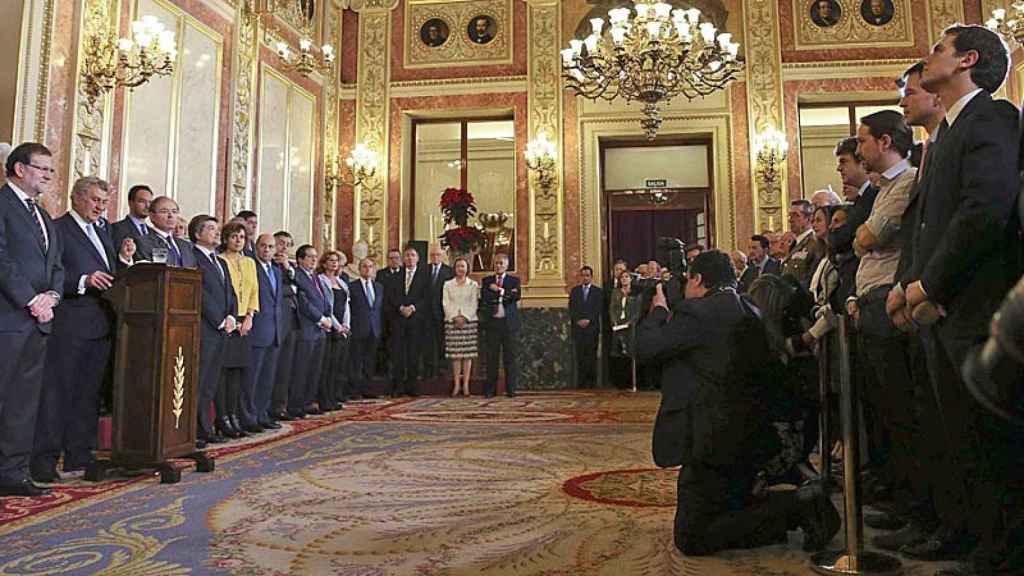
655	183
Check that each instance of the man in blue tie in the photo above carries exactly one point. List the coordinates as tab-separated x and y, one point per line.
269	328
366	301
163	213
134	225
586	308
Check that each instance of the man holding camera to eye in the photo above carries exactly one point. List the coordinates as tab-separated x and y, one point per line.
713	353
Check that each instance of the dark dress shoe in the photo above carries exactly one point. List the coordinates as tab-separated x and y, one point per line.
944	544
254	429
200	444
22	488
238	426
225	428
370	397
909	535
270	425
959	571
45	476
214	439
511	394
314	411
284	417
884	521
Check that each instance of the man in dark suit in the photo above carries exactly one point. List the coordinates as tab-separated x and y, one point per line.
251	222
433	341
31	281
389	354
218	319
713	350
803	259
163	213
586	308
409	300
499	311
286	355
367	301
759	262
134	225
964	257
269	328
82	337
314	323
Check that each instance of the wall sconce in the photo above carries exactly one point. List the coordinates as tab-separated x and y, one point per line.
305	61
540	156
110	62
360	166
1010	29
771	149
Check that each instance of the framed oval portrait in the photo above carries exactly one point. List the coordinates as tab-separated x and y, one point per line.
877	12
481	29
826	13
434	32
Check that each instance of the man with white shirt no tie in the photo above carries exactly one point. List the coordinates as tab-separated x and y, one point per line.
82	336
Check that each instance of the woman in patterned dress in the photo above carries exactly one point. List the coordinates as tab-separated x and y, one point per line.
460	297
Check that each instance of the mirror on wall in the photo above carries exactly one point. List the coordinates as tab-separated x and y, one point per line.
478	155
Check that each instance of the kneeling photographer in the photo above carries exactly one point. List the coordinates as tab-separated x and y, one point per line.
713	353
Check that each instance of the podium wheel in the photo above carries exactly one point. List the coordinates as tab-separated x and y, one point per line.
169	474
204	462
97	471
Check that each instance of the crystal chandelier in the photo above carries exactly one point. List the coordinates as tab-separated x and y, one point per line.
361	165
540	155
650	57
1012	28
110	62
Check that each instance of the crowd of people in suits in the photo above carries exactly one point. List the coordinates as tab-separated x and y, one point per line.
916	258
284	333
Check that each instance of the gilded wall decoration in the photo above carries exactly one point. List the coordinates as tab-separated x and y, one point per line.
34	86
91	119
439	34
852	23
332	80
372	119
764	102
942	13
545	116
246	50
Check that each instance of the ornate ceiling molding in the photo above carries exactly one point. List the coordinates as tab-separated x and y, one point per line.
845	70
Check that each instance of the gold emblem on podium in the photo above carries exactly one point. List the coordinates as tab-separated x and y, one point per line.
179	388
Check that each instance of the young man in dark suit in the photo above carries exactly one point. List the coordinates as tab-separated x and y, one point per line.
759	261
433	341
83	330
389	352
586	308
964	257
409	300
217	319
286	355
366	301
499	310
251	222
31	281
134	225
314	324
269	329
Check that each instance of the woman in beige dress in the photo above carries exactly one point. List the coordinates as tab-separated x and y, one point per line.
460	297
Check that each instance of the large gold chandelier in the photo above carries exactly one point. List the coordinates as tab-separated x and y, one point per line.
1009	26
110	62
651	56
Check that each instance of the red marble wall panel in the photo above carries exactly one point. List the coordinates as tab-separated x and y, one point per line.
349	49
60	112
742	183
840	87
344	207
451	106
517	68
972	12
787	29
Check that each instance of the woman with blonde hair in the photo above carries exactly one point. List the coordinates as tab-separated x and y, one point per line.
460	297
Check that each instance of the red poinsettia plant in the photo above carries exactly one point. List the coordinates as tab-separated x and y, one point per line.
457	205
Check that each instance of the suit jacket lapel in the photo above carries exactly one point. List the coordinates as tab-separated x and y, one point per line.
82	239
19	207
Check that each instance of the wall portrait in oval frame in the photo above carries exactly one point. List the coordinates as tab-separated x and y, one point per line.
481	29
877	12
825	13
434	32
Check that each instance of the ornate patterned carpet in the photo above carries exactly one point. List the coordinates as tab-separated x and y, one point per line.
544	484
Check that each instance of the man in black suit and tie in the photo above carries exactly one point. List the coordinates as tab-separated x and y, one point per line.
499	310
251	222
218	320
82	336
586	308
387	276
133	225
269	329
759	261
433	346
31	281
314	324
409	300
713	350
964	257
366	298
163	213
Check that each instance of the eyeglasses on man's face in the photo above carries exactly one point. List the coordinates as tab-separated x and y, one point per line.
43	169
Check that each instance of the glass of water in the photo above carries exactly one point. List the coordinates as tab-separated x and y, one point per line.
160	255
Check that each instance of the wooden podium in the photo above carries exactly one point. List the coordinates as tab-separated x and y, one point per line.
156	371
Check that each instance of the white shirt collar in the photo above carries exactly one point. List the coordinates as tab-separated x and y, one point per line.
21	193
954	111
81	221
205	250
863	187
896	169
137	221
164	235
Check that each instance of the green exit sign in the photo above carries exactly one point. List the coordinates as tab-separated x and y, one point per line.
656	183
